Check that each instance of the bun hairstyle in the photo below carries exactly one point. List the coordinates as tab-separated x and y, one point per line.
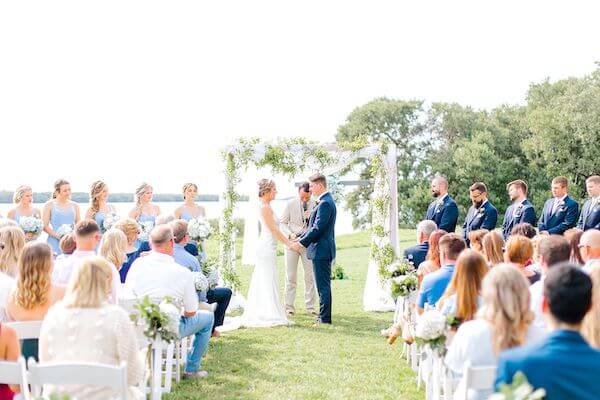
265	186
140	191
20	192
188	186
57	186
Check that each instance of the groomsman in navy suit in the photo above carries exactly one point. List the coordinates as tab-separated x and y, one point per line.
560	213
443	211
482	214
590	214
521	210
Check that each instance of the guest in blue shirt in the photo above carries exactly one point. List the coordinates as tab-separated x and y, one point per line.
417	254
562	363
219	295
434	284
131	228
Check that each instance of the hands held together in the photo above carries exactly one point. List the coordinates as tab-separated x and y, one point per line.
295	245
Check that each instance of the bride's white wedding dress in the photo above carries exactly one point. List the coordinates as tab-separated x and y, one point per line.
263	307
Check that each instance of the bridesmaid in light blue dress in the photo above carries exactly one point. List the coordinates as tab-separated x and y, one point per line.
59	211
144	211
23	197
188	210
99	206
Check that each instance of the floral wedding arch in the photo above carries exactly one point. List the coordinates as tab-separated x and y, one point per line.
294	156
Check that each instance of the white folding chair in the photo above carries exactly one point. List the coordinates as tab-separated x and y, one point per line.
478	378
15	373
91	374
26	329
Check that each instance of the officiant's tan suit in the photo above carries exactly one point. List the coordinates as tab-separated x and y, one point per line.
293	224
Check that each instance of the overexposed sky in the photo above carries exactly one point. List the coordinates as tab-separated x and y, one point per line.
131	91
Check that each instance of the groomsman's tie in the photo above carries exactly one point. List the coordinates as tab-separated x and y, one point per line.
555	206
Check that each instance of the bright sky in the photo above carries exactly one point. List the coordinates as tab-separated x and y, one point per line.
129	91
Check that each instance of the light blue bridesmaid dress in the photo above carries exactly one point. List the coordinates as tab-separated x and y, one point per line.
186	216
99	218
192	246
144	218
59	217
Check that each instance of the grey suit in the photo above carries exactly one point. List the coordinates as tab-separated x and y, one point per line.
293	224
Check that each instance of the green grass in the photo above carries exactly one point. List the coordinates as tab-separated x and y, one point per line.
348	360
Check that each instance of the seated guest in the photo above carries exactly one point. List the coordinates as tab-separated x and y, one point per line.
462	297
573	236
157	275
113	247
590	329
12	239
434	285
520	211
504	321
219	295
443	210
519	251
7	285
563	363
10	350
590	213
417	254
85	328
87	236
432	261
535	265
67	245
131	229
482	214
589	247
553	250
34	293
475	238
524	229
560	212
491	246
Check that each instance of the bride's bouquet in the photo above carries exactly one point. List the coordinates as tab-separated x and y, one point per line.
145	229
32	227
199	229
63	230
109	220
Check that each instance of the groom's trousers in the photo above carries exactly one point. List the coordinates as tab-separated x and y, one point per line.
322	269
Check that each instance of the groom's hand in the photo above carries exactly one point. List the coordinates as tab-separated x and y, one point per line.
296	246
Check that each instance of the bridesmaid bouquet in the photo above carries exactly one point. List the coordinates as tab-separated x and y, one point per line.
32	227
146	228
199	229
64	229
109	220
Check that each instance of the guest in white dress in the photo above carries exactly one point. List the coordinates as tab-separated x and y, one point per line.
85	328
503	322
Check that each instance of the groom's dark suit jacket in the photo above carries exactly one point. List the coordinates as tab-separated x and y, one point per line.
319	240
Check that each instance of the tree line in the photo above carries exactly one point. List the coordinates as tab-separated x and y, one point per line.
557	132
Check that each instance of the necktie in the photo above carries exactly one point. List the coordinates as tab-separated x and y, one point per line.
555	206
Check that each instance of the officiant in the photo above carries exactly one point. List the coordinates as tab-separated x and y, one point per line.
294	223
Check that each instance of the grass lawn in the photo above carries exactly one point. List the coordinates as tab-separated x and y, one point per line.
348	360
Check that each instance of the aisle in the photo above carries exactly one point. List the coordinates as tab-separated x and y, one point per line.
345	361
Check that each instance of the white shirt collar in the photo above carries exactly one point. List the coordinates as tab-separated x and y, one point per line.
561	198
482	204
518	203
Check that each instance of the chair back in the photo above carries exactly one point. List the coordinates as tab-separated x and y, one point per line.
479	378
15	373
26	329
91	374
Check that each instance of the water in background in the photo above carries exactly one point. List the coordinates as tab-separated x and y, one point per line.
213	210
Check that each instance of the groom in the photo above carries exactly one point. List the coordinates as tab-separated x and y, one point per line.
320	242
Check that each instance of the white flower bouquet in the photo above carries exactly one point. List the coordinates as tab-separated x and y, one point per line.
64	229
200	282
403	285
520	389
199	229
109	220
431	330
145	229
173	317
32	226
213	278
211	271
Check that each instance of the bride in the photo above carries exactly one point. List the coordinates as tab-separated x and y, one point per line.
263	307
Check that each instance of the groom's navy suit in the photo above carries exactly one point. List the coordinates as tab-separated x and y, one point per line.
320	243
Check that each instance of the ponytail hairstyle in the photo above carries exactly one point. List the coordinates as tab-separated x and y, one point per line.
95	191
139	192
57	186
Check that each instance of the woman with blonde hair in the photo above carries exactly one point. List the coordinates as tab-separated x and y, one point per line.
519	251
590	328
144	212
12	241
23	197
462	297
113	247
99	206
475	238
491	246
34	293
502	322
131	229
60	214
85	328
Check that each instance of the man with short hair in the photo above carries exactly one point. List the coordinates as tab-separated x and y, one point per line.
219	295
443	210
482	214
560	212
157	275
520	211
435	283
417	254
294	223
552	250
562	363
590	213
87	237
589	248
